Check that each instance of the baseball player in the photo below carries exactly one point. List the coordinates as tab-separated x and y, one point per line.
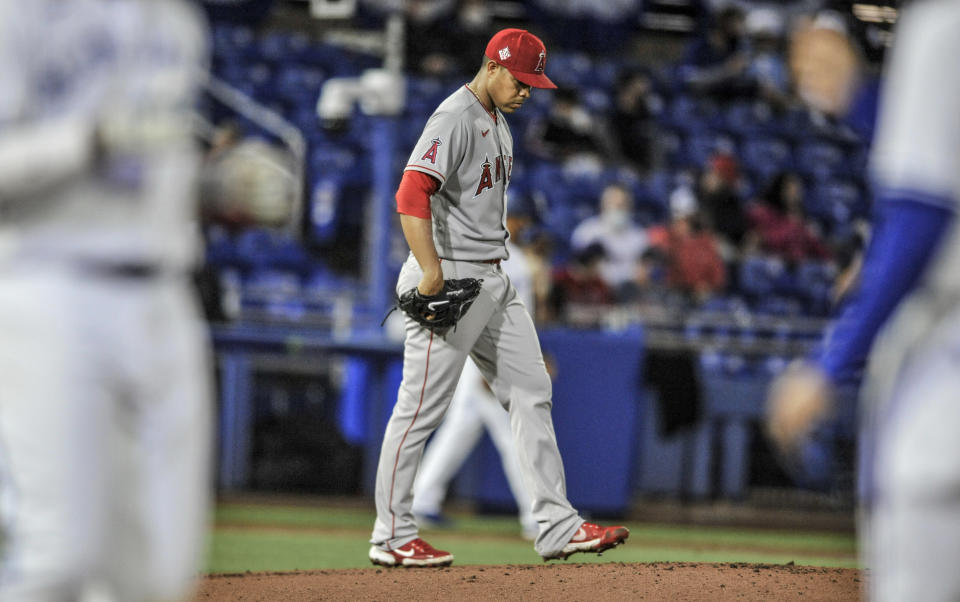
909	288
473	408
104	392
452	201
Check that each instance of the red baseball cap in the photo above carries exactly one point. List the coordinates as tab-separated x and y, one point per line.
523	54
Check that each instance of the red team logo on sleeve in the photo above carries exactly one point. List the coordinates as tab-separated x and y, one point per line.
431	154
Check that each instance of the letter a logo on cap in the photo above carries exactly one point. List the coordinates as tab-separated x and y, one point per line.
523	54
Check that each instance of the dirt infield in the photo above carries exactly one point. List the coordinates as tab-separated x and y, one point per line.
568	581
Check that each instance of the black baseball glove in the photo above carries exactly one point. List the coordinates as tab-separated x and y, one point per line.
441	311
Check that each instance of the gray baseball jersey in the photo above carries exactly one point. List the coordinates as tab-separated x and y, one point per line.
470	151
96	67
912	538
105	398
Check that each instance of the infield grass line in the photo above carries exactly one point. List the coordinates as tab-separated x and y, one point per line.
241	551
467	524
251	537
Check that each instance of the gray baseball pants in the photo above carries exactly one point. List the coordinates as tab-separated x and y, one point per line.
498	333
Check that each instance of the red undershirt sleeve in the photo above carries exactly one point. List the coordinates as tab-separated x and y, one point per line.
413	194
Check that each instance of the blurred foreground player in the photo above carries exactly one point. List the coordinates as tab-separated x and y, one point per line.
909	293
453	206
105	397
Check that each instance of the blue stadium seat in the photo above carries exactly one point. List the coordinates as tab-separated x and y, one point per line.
584	189
300	84
336	160
796	124
652	195
597	100
814	283
328	57
289	253
298	46
759	274
305	118
548	188
711	361
571	69
321	281
259	73
261	248
233	72
670	143
220	248
747	118
820	159
253	246
764	156
699	146
272	282
688	113
735	364
775	305
727	304
273	47
773	365
605	73
233	41
836	201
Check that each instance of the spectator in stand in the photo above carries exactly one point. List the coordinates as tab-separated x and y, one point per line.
649	284
569	133
443	37
767	66
715	62
622	240
693	263
537	246
449	46
779	226
721	203
579	283
633	125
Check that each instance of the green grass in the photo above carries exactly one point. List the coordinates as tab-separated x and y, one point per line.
278	538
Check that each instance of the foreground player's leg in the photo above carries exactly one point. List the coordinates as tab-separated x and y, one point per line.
162	445
914	534
53	414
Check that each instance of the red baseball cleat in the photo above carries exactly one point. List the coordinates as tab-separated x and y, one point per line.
592	538
413	553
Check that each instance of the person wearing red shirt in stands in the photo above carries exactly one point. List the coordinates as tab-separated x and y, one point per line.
693	261
778	225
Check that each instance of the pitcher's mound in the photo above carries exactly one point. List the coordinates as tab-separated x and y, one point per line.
557	581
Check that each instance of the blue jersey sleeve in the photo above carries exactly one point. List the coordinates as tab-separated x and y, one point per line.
907	232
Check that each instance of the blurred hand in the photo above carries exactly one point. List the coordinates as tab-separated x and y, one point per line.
249	183
825	67
799	400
